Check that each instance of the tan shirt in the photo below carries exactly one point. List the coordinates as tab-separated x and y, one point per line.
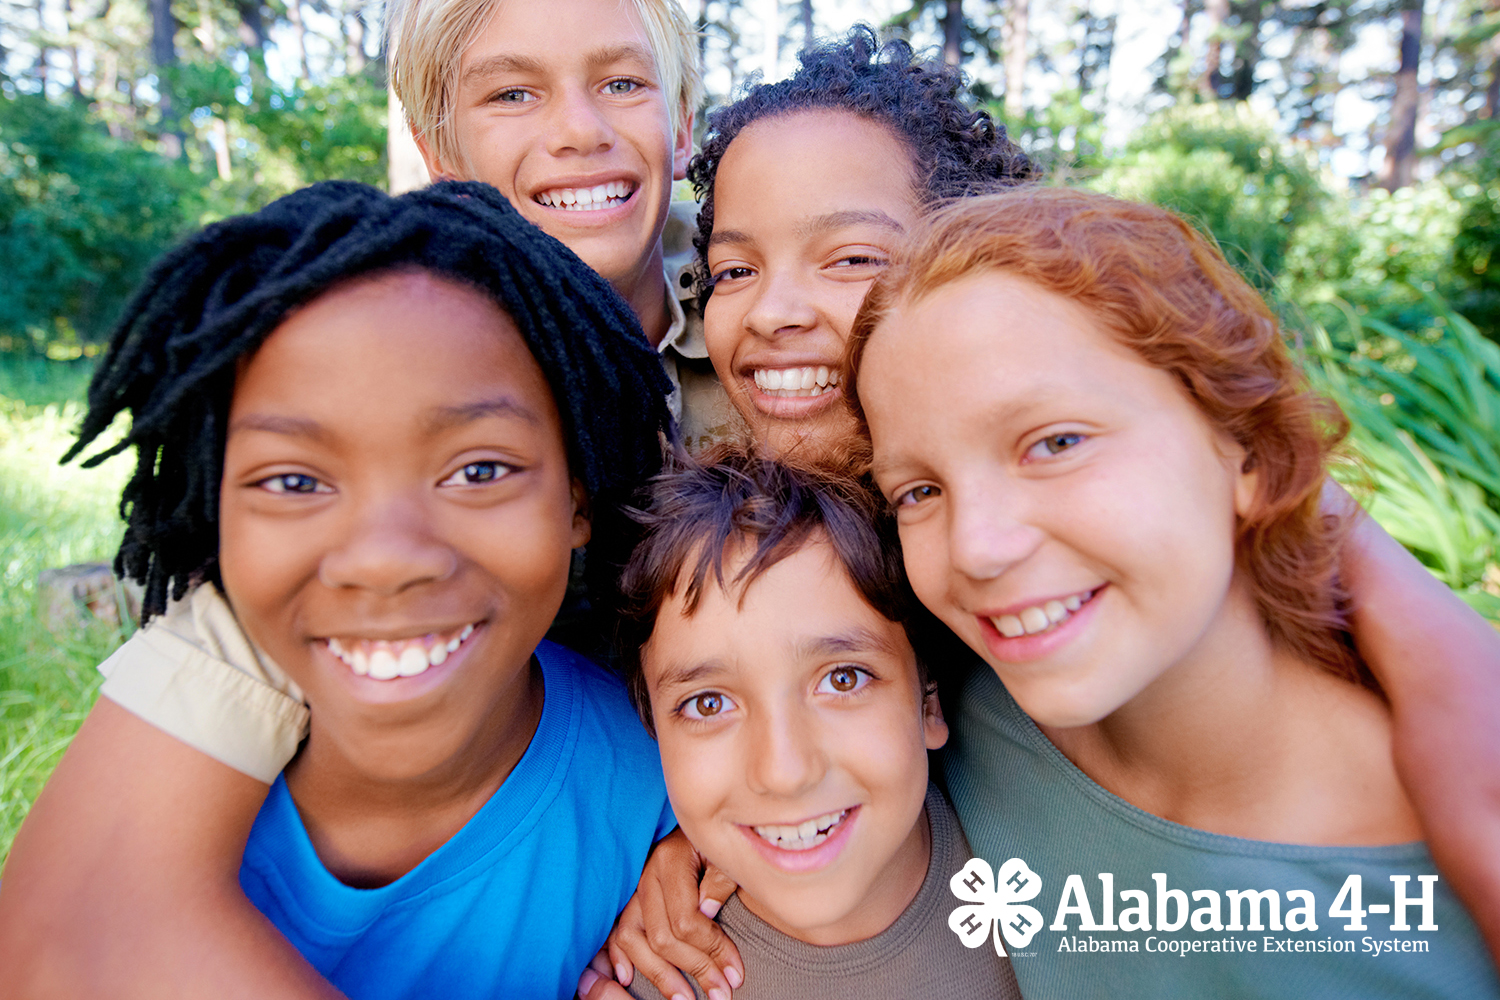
195	675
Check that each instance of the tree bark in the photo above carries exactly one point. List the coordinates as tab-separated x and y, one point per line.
163	57
1017	36
953	32
1401	140
1247	51
1215	13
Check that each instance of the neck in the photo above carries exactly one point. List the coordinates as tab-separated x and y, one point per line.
645	290
375	807
1242	739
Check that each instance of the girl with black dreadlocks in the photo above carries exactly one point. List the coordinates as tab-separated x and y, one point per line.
381	427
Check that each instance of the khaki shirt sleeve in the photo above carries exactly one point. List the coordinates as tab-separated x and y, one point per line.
194	674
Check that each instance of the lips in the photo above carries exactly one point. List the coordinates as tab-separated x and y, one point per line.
797	854
387	659
1041	617
803	381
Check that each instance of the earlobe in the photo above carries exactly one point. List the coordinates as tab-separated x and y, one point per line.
934	726
582	530
682	148
435	169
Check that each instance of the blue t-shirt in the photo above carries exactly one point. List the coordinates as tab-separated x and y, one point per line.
518	901
1227	917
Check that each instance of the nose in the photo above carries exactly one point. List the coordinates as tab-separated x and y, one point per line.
988	533
577	124
387	546
783	306
785	758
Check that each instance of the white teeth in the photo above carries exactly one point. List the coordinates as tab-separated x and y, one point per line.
805	835
383	660
412	662
587	199
808	380
1039	618
383	665
1009	626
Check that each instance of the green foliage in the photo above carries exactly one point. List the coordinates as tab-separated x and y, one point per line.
1228	171
49	516
1425	409
1476	247
81	215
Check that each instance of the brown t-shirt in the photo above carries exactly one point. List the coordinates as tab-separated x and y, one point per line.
915	957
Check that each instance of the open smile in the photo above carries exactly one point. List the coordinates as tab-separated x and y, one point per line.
387	659
806	846
1043	617
587	199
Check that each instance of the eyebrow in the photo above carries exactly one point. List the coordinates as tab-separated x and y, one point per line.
448	417
818	224
506	62
271	423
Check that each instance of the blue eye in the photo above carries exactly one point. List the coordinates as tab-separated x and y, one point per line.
514	95
622	86
294	482
917	494
478	473
844	679
1053	444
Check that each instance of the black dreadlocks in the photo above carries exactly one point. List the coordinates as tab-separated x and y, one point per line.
214	299
955	150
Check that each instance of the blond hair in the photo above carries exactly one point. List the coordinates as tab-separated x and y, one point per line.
426	41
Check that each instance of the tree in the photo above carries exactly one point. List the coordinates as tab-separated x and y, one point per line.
1401	139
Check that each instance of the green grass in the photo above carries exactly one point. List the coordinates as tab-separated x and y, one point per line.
49	516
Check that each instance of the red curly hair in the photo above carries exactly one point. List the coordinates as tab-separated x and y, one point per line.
1167	292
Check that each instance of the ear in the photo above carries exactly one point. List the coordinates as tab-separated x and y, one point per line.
1246	480
682	145
435	169
934	726
582	530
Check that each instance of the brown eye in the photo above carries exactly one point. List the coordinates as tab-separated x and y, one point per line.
705	705
843	680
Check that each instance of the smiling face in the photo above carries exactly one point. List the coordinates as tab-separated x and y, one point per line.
396	516
794	739
1063	506
807	208
559	106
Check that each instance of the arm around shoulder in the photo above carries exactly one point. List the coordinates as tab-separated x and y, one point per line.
124	879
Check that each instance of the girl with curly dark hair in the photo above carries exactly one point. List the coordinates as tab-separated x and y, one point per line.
807	184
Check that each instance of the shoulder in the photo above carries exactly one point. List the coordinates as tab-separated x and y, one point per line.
608	725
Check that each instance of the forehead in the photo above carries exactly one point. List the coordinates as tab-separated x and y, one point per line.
803	607
546	36
381	349
816	161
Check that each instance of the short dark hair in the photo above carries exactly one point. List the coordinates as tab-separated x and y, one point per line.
695	509
214	299
955	149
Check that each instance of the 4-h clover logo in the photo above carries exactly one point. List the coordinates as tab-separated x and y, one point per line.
998	901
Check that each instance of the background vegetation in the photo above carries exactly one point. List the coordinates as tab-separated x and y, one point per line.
125	123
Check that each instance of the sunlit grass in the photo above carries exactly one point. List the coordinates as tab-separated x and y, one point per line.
50	515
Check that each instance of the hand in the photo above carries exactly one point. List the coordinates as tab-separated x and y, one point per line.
668	925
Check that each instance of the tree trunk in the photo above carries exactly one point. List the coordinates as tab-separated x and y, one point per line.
807	24
1247	51
953	32
353	22
1401	141
1017	35
299	34
1215	12
163	57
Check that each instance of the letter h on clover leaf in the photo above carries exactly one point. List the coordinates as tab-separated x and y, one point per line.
995	903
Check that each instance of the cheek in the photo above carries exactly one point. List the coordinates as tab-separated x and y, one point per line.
925	553
698	774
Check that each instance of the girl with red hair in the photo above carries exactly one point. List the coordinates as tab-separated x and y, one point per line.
1106	470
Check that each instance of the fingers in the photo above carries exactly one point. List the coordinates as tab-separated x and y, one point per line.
713	892
592	986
